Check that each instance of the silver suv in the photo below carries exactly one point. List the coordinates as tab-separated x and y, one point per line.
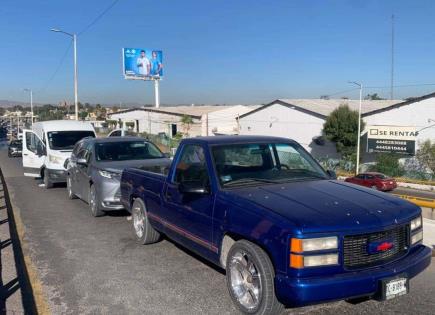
95	167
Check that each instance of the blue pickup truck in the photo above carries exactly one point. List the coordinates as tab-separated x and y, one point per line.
285	230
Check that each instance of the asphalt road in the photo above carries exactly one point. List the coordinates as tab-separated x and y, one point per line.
93	265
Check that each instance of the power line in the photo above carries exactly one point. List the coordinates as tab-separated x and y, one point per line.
57	69
94	21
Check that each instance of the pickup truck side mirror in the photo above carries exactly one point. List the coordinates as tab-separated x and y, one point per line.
193	187
82	162
332	174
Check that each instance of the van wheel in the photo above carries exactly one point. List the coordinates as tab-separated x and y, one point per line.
94	203
47	183
71	195
144	232
250	279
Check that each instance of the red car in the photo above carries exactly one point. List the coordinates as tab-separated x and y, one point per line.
373	180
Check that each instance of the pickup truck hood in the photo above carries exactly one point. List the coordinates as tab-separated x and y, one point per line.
119	166
327	205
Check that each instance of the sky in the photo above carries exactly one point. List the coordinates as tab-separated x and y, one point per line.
217	52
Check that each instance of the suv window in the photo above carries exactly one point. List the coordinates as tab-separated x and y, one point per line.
192	166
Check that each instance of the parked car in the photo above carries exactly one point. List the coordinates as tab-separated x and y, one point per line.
48	145
119	133
284	229
373	180
15	148
94	169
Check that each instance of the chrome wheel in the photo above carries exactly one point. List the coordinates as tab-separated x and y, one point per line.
138	221
93	201
245	280
68	186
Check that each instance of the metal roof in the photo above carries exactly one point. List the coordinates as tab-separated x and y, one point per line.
322	108
193	111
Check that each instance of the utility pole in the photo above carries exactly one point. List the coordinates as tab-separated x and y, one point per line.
31	103
392	58
74	37
359	125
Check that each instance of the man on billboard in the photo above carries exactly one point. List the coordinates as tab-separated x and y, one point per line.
143	64
156	65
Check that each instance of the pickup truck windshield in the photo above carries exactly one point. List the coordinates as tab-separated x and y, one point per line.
241	164
65	140
126	150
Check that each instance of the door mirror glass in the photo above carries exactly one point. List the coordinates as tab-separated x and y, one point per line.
193	187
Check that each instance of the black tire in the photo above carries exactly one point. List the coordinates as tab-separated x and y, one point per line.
47	183
146	235
71	195
268	303
94	203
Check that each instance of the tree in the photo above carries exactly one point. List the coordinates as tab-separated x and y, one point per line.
373	97
426	155
186	121
83	115
388	163
341	127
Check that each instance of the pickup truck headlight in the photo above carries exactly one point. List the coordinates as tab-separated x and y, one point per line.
299	248
55	159
416	223
417	237
312	244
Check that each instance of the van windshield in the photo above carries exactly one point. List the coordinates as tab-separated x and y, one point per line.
65	140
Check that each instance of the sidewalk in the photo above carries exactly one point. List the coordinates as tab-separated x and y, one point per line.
15	291
429	233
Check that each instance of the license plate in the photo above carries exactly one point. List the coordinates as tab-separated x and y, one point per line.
395	287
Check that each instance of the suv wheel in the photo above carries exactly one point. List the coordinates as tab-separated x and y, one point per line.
94	203
71	195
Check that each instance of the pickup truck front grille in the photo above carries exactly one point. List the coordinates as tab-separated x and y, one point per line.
356	253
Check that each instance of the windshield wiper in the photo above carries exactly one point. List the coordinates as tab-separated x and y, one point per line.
248	180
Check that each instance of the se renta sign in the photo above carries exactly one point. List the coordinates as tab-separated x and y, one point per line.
391	139
142	64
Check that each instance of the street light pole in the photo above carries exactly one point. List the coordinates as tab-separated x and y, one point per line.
31	103
359	125
74	37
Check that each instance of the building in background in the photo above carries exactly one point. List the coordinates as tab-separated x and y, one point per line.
205	120
303	119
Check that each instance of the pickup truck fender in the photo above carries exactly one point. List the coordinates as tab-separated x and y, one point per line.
263	229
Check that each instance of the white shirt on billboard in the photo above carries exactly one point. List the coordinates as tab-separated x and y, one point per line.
143	65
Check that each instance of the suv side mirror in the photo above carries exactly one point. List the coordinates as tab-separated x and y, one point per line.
167	155
193	187
332	174
82	162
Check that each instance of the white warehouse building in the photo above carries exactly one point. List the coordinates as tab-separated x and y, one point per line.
206	120
303	119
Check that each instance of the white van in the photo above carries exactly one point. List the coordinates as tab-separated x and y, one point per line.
48	145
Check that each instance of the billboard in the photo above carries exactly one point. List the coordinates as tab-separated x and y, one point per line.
391	139
142	64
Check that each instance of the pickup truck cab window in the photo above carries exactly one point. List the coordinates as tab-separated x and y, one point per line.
262	163
191	166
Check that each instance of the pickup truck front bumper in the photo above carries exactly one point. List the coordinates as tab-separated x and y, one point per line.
361	283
